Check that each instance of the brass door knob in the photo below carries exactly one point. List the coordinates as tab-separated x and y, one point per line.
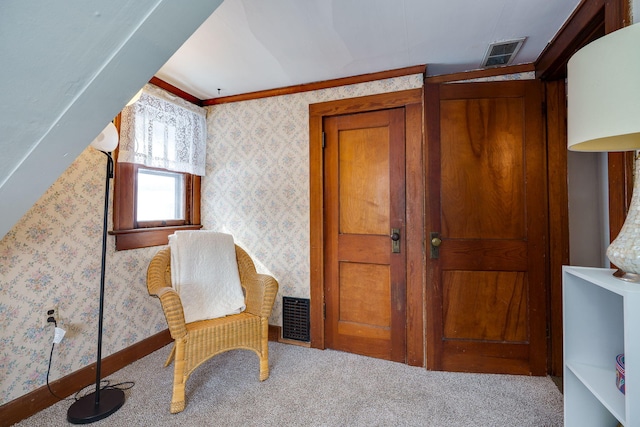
436	242
395	240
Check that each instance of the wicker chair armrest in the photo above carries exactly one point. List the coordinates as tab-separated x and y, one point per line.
159	271
261	290
173	312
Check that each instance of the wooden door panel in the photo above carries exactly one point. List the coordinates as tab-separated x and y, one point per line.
485	306
465	356
364	249
364	198
374	342
486	291
489	255
364	208
372	280
481	149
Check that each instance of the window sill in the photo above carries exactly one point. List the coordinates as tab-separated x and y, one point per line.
146	237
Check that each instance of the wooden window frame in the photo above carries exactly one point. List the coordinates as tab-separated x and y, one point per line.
133	235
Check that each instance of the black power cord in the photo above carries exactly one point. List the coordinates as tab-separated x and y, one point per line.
126	385
48	370
52	319
107	385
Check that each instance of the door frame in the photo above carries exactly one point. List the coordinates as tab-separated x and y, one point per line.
411	100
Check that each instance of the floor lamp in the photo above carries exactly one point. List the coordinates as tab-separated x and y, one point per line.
603	114
101	403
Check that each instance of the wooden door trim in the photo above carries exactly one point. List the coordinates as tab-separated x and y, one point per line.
324	84
590	20
411	100
538	255
556	123
433	297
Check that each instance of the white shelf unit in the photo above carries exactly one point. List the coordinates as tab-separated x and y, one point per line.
601	320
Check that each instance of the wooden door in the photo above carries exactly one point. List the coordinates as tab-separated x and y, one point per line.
486	202
363	202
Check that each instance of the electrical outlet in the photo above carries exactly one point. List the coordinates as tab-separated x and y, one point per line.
52	311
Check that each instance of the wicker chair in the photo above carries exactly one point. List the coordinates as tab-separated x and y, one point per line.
197	342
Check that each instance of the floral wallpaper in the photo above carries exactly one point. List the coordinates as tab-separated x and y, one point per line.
51	258
256	188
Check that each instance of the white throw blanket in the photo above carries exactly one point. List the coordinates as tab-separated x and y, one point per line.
204	272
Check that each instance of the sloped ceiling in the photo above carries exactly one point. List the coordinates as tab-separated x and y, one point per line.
67	70
252	45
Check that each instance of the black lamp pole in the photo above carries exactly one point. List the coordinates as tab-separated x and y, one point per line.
101	403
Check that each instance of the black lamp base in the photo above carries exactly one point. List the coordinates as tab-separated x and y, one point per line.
85	410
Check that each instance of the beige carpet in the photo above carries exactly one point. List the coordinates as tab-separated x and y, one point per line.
310	387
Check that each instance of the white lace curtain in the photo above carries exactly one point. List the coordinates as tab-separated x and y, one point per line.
163	131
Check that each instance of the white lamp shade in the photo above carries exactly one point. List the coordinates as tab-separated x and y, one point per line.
604	93
107	141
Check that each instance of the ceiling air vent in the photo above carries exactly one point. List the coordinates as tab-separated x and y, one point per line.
502	53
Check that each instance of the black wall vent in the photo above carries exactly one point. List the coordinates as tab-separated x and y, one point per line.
295	319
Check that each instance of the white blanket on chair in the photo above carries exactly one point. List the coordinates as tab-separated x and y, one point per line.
204	272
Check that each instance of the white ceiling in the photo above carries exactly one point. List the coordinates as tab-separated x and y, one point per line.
252	45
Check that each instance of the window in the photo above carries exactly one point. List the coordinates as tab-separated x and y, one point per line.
132	226
159	196
160	161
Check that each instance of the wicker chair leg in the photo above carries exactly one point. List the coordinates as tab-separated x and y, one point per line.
179	379
170	358
264	367
177	407
264	353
